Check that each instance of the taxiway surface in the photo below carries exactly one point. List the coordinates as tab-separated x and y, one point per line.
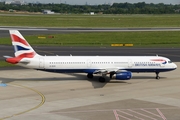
48	30
32	94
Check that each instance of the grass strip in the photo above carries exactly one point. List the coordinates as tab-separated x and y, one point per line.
139	39
5	64
90	20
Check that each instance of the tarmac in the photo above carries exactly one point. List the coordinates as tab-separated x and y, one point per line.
37	95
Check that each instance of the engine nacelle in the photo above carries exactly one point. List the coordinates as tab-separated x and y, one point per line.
125	75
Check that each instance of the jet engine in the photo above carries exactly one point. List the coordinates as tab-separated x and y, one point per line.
125	75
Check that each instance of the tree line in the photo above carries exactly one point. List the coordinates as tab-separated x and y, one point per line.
116	8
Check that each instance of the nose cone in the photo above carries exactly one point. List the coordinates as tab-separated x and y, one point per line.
174	66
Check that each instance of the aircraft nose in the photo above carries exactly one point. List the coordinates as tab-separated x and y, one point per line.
174	65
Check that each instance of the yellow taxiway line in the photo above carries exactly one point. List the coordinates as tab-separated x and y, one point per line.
39	105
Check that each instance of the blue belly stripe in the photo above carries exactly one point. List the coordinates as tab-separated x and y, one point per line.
92	70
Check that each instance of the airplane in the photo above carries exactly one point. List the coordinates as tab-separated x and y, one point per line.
117	67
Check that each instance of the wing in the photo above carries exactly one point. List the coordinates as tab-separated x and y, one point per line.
108	71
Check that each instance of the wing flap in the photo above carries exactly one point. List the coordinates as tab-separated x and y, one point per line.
5	56
108	70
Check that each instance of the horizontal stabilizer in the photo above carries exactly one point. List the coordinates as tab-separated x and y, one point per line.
7	56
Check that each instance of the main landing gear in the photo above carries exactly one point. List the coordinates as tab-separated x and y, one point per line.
101	79
90	75
157	76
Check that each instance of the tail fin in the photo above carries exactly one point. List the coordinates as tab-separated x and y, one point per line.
21	46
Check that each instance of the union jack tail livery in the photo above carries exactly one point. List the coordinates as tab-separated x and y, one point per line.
22	49
21	46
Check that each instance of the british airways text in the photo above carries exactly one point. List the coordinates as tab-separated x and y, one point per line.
147	64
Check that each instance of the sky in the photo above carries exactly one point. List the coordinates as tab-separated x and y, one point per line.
95	2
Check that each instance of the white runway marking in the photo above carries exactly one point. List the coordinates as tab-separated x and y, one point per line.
151	113
119	114
142	114
161	114
26	29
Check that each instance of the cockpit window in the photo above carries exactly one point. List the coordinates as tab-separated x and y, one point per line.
169	61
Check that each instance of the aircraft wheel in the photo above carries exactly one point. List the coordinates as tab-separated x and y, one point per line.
157	77
90	76
102	79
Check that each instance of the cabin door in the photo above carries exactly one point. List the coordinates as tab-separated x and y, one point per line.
88	63
41	63
130	63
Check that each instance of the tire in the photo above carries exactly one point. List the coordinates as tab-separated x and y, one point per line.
90	76
102	79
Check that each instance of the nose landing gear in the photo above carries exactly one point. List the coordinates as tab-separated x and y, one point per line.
157	76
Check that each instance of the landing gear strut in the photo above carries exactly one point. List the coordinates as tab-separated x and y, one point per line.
111	75
157	76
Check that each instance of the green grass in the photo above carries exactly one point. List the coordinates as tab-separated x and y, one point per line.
139	39
5	64
90	20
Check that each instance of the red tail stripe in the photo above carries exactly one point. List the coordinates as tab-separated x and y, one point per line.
15	60
15	38
27	55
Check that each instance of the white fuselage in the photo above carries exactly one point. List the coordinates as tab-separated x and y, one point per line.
88	64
